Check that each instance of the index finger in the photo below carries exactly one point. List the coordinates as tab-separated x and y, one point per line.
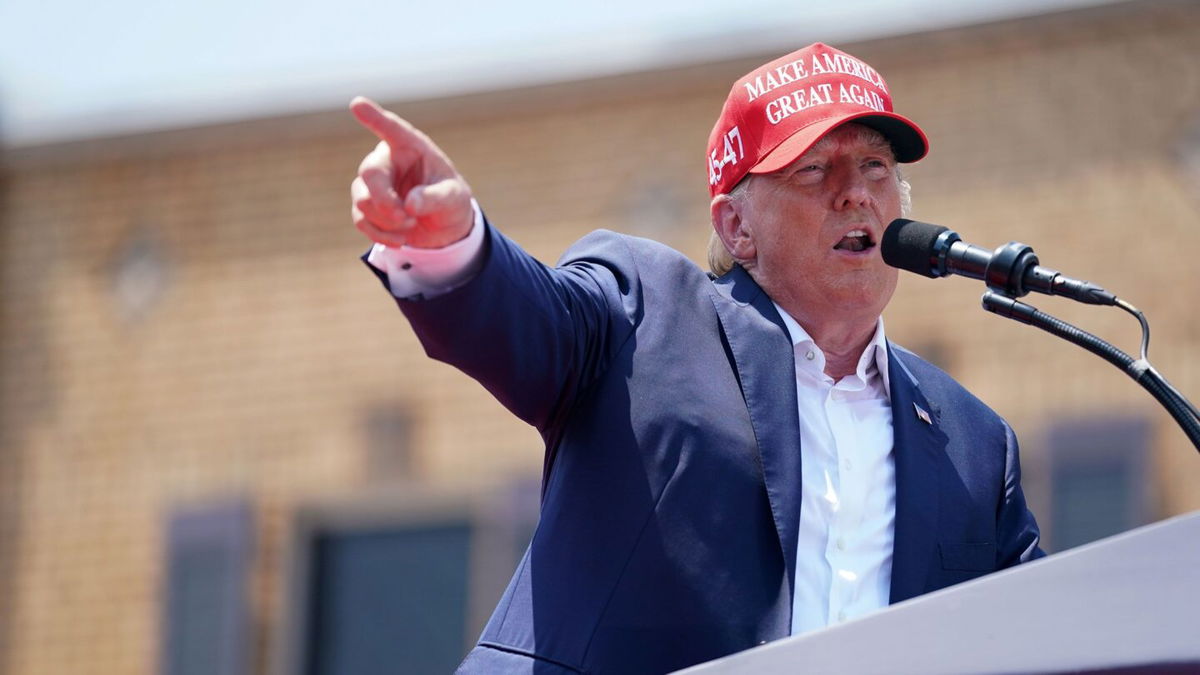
388	126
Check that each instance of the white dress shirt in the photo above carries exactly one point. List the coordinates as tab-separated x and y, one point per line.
848	496
430	272
848	491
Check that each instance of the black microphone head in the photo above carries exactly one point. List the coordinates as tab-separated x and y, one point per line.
910	245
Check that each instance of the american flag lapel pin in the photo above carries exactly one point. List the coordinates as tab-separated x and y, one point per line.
922	415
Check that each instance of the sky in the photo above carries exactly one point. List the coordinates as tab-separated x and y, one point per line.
73	69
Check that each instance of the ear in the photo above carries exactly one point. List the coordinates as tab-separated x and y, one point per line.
731	225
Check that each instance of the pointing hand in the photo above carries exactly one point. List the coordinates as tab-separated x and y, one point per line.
407	192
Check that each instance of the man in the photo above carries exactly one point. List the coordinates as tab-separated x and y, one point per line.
729	460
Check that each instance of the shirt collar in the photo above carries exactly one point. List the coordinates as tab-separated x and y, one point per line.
876	349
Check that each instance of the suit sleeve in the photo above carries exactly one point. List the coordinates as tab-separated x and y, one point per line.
534	336
1017	532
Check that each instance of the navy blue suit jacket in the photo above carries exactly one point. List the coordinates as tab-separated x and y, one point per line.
671	489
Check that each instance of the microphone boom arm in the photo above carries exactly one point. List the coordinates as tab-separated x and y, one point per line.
1182	410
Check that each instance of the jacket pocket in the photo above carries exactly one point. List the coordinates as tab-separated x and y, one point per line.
979	557
497	659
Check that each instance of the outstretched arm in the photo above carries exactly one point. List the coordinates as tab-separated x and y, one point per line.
534	336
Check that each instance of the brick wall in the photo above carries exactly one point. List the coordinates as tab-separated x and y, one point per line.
183	318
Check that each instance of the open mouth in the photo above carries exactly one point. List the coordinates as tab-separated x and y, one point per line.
855	241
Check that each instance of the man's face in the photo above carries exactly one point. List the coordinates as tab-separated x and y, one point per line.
816	225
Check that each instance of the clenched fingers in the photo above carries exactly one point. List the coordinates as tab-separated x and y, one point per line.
385	214
377	234
377	174
384	226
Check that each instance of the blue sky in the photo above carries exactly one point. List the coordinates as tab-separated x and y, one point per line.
73	69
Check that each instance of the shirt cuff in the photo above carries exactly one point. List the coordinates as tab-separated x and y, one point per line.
429	272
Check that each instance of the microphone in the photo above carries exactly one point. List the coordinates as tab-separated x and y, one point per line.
1012	269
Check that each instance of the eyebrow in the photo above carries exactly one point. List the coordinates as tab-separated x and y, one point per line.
874	142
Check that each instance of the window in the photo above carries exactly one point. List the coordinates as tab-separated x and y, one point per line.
208	627
389	599
1098	473
400	582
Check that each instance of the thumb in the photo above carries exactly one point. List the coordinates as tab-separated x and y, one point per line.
444	196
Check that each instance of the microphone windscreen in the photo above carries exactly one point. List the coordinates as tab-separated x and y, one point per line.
909	245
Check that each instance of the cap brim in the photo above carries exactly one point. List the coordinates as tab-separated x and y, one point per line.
907	139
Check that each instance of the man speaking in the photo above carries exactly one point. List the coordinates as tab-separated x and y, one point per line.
730	458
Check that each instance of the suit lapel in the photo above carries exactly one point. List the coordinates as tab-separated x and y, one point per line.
762	352
918	445
765	363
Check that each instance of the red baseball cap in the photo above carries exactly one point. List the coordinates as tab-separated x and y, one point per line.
776	112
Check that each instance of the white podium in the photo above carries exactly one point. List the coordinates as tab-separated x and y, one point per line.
1125	604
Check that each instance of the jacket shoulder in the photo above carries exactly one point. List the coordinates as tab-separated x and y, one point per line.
648	255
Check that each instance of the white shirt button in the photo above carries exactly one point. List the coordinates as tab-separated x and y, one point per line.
837	434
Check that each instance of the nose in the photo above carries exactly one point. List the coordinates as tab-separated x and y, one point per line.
851	189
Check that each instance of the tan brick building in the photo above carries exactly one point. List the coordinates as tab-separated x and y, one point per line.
183	320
